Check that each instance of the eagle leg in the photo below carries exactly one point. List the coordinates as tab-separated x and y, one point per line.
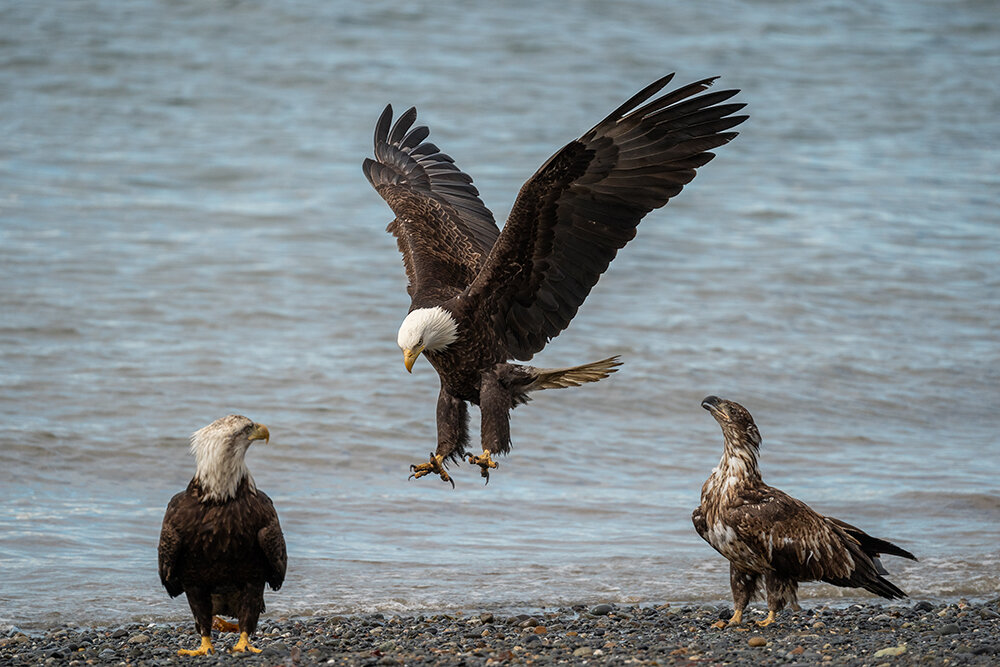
204	649
485	462
435	465
222	625
243	645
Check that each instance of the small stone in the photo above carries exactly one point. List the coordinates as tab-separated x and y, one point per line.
540	630
138	639
583	652
988	613
923	605
819	624
798	650
601	610
757	641
949	629
891	651
486	617
119	633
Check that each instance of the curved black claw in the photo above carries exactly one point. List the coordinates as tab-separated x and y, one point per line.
485	462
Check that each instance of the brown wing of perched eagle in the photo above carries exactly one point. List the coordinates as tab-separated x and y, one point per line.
481	297
764	532
221	540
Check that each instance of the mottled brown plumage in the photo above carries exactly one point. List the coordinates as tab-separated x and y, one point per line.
221	540
764	532
508	293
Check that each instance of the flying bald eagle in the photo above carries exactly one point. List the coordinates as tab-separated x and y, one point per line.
765	532
221	540
481	297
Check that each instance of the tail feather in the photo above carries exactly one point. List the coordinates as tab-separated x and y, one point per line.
560	378
872	546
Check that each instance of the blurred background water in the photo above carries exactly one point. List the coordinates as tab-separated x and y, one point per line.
185	232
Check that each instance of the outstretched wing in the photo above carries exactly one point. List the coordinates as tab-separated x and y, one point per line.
584	203
442	228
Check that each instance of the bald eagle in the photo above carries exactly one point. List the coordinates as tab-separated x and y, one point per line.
221	540
481	297
765	532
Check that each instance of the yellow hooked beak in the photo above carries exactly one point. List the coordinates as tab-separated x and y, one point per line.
260	432
410	357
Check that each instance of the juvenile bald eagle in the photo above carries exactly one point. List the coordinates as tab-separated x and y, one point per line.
481	297
221	540
764	532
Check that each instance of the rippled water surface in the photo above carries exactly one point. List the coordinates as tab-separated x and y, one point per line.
185	232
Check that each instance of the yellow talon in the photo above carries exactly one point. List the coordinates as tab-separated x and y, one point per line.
435	465
485	462
735	620
204	649
767	621
243	645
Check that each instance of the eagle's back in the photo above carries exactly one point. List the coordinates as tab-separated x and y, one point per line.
220	544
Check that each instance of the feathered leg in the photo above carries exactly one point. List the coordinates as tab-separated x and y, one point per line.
201	607
495	404
453	437
744	586
780	592
251	604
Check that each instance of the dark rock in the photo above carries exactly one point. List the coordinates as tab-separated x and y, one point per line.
601	610
948	629
923	605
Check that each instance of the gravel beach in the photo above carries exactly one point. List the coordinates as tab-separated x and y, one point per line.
920	632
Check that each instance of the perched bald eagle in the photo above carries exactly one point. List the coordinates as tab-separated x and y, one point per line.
765	532
221	540
481	297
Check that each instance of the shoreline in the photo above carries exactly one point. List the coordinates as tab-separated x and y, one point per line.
868	633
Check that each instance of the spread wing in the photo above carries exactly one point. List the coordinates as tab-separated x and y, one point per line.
804	545
170	550
442	228
584	203
272	543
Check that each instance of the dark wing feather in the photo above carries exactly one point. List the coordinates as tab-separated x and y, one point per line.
584	203
442	228
272	543
171	549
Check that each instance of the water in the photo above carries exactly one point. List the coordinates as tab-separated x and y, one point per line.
185	232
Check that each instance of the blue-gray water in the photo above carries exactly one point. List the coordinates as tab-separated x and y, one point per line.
185	232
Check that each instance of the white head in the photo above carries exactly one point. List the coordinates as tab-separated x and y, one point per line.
219	450
431	329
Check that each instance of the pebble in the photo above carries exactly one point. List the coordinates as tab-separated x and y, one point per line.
757	641
949	629
601	610
890	651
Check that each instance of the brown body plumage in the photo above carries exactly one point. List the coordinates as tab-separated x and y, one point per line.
221	540
481	297
765	533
